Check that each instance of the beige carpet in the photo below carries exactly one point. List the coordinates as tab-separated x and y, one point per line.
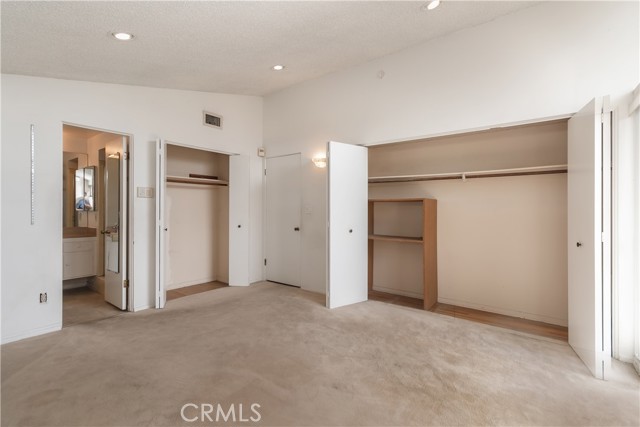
277	346
83	304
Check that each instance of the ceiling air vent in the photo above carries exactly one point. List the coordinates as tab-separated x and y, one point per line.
212	120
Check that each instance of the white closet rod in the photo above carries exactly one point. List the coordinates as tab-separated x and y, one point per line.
535	170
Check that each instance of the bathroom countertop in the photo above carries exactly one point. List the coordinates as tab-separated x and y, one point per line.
76	232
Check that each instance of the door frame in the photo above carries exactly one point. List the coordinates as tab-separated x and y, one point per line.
166	142
128	216
264	212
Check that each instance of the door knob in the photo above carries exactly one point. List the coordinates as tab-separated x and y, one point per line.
296	229
351	230
166	229
578	244
239	226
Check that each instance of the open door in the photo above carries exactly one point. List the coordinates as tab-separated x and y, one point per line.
161	229
116	228
589	225
347	229
239	174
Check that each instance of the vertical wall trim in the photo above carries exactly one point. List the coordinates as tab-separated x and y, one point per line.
33	174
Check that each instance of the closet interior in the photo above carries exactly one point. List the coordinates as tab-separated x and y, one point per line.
197	214
501	251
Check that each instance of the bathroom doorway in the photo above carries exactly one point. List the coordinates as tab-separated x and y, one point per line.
95	225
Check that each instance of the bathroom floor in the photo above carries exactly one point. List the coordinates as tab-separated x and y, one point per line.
81	305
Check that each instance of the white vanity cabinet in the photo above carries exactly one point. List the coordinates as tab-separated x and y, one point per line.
79	257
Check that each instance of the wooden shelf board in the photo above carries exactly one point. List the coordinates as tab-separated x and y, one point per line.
395	200
199	181
493	319
514	323
395	238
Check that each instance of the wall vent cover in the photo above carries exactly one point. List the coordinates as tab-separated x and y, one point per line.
212	120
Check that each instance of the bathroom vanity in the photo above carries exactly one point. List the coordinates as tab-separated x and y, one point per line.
79	252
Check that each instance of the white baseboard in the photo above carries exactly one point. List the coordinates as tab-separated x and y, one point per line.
141	307
32	333
398	292
506	311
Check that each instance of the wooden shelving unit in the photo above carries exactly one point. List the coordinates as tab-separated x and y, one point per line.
428	241
395	238
198	181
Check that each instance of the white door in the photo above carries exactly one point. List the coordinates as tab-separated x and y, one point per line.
348	233
589	144
161	229
116	227
283	219
239	220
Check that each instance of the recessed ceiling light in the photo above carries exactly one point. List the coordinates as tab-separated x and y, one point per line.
432	5
278	67
122	36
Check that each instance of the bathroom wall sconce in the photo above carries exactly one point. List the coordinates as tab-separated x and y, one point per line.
320	160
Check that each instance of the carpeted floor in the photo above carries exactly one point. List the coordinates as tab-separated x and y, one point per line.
83	304
276	346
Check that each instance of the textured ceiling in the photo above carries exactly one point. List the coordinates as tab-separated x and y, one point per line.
226	47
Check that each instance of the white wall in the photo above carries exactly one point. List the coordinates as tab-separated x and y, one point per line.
32	255
547	60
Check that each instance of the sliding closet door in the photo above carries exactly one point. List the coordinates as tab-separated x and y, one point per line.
589	173
161	228
239	174
348	233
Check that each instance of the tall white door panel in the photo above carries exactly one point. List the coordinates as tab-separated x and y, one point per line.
347	229
161	227
589	291
116	227
283	221
239	190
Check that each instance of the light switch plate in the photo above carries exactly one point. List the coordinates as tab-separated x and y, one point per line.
308	210
145	192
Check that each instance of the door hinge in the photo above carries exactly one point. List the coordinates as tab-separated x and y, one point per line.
125	155
265	171
126	283
603	237
265	261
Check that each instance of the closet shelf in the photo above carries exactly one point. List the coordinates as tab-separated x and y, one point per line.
197	181
535	170
395	238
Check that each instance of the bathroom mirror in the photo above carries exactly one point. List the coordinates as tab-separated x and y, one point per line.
71	162
85	189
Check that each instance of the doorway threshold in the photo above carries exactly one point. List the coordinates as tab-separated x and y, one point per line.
194	289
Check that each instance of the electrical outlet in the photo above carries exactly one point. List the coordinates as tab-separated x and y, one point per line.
43	297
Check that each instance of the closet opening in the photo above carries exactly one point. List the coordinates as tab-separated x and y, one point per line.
196	221
95	229
494	250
